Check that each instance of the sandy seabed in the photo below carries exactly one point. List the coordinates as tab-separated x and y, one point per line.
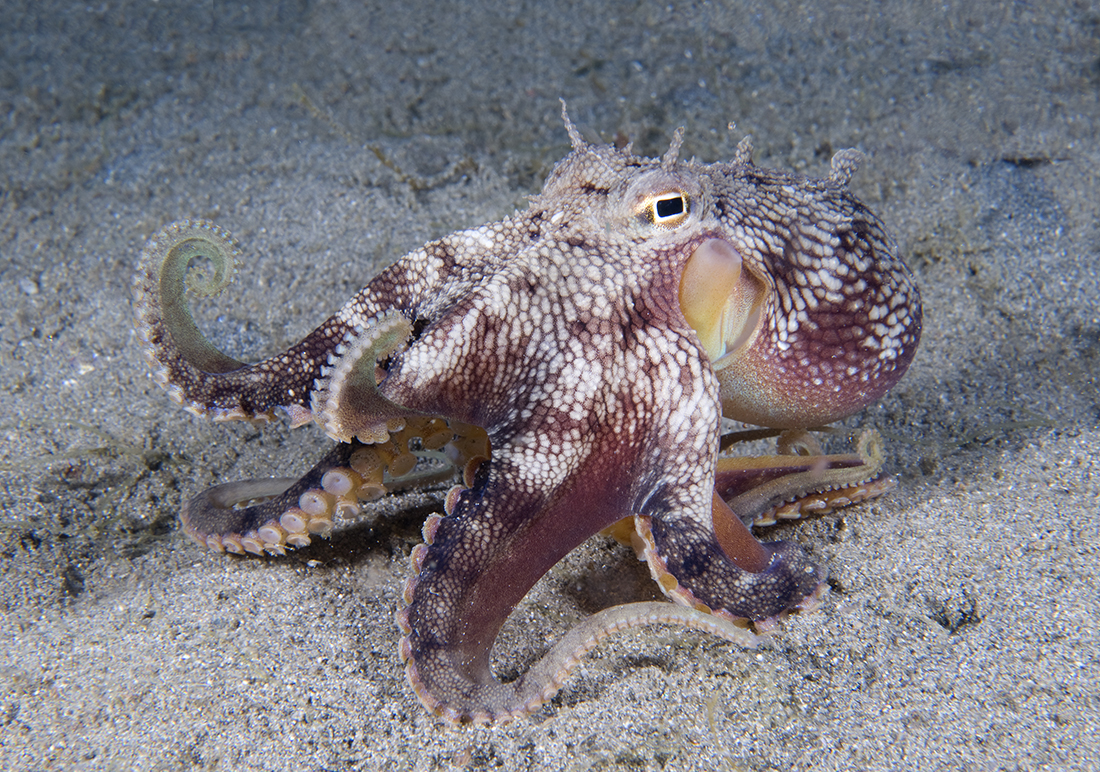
961	630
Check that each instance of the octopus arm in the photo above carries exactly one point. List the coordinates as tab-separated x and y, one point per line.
716	565
269	515
801	479
195	373
498	538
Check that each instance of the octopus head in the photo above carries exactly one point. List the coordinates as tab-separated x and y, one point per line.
808	325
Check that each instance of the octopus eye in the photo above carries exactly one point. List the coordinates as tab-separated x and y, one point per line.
666	210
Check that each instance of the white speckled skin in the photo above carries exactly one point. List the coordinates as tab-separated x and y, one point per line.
560	331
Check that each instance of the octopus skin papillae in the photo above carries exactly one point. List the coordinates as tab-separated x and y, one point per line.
573	364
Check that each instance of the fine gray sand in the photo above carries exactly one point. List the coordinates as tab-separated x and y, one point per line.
962	629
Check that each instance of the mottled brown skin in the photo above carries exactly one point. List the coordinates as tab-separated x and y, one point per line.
564	333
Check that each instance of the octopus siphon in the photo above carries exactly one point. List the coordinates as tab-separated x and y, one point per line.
572	364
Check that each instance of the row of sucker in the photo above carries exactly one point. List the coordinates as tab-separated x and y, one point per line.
869	484
466	453
826	501
370	473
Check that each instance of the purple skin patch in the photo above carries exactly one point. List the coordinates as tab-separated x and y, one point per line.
573	362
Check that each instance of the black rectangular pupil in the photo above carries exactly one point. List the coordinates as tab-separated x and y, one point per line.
666	207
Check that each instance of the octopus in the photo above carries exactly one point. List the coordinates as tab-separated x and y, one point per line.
573	365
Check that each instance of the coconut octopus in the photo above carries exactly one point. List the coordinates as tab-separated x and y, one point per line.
574	362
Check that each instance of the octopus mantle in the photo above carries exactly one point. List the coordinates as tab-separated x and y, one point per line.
573	362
